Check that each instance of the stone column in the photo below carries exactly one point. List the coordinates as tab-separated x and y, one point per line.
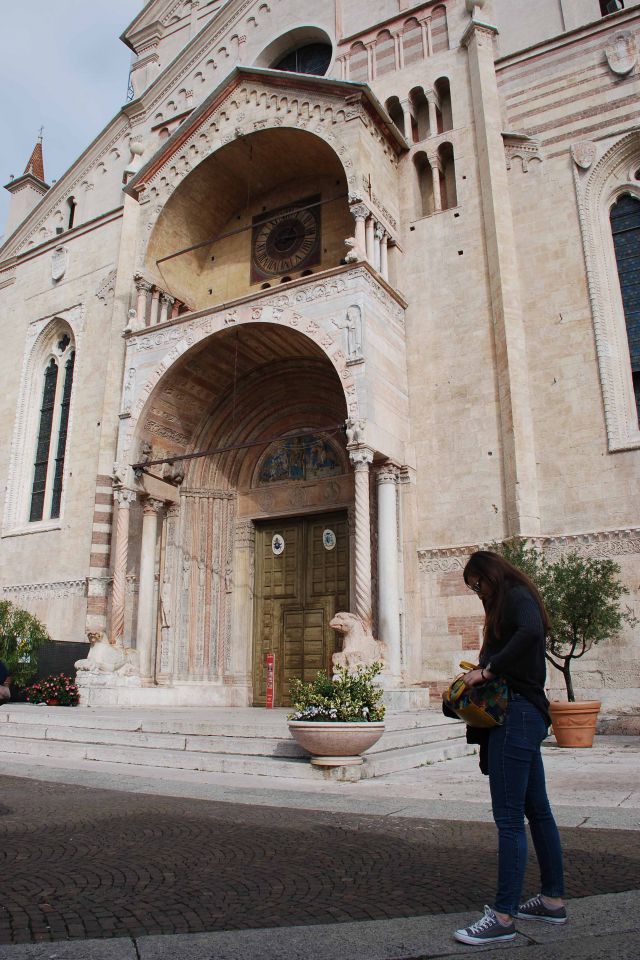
123	499
433	116
371	54
146	631
370	239
143	288
153	316
427	38
166	303
360	214
384	255
242	601
378	234
406	114
361	457
437	189
507	321
388	581
398	50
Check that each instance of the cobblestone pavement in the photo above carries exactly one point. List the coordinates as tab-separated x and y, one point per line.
88	863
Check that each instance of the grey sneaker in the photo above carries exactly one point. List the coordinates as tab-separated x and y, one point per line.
536	909
486	930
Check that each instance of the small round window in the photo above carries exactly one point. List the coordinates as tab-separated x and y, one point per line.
312	58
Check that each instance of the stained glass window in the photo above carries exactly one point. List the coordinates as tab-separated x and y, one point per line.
44	441
625	227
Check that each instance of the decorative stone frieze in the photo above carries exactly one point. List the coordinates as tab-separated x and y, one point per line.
603	544
55	590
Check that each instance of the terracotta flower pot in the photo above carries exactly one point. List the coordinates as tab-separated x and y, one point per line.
335	744
574	724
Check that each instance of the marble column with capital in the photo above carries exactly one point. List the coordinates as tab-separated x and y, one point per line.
146	627
370	239
155	306
242	602
378	234
384	255
360	213
123	500
361	458
166	303
388	567
143	289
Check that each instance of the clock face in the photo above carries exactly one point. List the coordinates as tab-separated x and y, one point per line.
285	240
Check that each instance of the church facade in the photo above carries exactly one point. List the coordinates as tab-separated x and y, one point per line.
343	292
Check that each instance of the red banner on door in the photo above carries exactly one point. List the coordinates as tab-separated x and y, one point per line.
271	678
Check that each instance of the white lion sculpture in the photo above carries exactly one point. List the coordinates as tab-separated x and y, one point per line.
105	657
359	647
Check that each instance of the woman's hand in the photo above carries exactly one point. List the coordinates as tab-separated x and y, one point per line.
474	677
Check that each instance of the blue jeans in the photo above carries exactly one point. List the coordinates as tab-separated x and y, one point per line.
516	779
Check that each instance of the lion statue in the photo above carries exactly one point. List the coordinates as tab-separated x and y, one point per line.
359	648
105	657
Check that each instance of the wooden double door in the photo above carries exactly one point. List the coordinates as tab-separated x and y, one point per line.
301	582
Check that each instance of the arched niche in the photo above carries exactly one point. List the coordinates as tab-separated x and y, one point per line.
211	215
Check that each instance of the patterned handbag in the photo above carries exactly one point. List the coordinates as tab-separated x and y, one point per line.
482	706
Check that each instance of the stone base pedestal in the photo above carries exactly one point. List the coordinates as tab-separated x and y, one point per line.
111	690
404	699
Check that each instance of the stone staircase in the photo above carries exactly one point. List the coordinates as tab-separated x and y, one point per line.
218	740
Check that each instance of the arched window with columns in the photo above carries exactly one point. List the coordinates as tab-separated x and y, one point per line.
385	53
439	29
420	111
358	62
51	442
444	111
412	44
446	162
625	230
423	185
395	111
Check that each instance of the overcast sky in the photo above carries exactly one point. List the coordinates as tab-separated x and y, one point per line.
63	67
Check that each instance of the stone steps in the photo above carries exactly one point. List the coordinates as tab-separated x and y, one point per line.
228	741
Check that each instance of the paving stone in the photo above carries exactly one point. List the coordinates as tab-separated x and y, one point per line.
83	863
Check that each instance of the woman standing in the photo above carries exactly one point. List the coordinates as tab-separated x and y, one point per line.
515	627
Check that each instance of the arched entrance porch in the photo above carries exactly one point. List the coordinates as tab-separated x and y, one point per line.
254	554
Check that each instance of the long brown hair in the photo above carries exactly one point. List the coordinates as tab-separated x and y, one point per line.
501	575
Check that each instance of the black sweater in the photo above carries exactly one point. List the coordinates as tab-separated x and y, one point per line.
518	653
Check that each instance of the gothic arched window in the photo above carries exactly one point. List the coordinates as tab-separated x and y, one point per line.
56	384
625	229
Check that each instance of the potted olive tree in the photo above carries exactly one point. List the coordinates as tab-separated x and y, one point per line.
583	599
337	718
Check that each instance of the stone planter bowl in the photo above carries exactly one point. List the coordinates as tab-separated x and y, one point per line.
335	744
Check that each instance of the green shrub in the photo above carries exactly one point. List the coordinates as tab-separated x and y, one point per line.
345	697
21	636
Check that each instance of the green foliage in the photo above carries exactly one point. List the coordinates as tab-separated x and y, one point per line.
583	599
58	687
21	636
344	698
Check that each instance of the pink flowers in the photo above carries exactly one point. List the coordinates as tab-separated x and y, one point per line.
55	690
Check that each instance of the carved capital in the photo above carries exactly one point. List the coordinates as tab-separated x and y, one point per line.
378	231
124	498
361	457
168	299
142	285
360	211
388	473
152	506
244	533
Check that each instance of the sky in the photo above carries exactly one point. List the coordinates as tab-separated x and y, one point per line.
62	67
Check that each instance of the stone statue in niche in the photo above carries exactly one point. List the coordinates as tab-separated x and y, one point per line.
352	323
359	647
